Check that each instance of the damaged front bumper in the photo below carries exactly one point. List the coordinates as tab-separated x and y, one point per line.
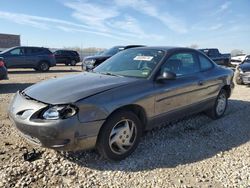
62	134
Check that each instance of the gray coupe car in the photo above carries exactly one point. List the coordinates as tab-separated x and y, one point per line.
109	108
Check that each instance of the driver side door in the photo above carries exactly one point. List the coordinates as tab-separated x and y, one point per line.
15	58
174	97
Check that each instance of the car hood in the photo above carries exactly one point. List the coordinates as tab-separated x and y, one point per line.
239	58
70	89
245	67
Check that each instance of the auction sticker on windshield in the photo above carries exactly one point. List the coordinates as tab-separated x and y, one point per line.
143	58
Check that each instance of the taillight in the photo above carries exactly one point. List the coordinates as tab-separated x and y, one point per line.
51	55
1	63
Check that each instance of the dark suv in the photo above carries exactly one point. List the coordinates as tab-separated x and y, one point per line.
90	62
38	58
67	57
217	57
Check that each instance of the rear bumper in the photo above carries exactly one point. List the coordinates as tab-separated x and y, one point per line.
52	62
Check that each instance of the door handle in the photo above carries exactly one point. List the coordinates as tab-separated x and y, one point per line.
200	83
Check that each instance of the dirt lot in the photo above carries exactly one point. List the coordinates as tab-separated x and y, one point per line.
193	152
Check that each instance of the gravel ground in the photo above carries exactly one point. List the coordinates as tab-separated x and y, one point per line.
192	152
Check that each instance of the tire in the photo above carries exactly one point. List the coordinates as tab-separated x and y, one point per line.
238	79
119	135
73	63
43	66
219	107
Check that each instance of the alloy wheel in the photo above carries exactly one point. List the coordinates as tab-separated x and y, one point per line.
122	136
221	104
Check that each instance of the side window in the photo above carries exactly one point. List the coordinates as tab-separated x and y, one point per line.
213	52
17	51
69	53
28	51
205	63
45	51
57	52
33	51
182	64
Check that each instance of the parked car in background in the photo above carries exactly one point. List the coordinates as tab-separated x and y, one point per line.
90	62
3	70
242	75
38	58
247	58
67	57
238	59
217	57
109	108
99	53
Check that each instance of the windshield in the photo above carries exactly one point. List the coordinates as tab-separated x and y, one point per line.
133	63
7	50
112	51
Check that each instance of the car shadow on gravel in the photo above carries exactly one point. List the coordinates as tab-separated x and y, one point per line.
6	88
183	142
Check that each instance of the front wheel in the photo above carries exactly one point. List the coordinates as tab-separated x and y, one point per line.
119	136
43	66
220	106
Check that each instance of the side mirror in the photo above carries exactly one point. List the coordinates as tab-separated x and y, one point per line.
166	75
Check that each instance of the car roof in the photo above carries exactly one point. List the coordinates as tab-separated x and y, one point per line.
66	50
208	49
29	47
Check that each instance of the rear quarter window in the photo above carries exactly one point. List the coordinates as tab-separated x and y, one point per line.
205	63
46	51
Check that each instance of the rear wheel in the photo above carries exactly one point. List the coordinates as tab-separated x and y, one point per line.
220	106
73	63
43	66
119	136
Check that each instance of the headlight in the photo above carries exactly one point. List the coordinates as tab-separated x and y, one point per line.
240	70
59	112
84	67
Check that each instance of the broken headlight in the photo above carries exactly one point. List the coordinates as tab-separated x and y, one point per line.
59	112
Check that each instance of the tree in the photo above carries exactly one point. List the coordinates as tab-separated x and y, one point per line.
195	46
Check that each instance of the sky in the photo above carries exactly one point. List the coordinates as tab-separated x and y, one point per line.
223	24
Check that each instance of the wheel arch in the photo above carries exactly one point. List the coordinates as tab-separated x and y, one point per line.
138	110
228	90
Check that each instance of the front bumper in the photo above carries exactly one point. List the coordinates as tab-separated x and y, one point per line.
245	77
63	134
